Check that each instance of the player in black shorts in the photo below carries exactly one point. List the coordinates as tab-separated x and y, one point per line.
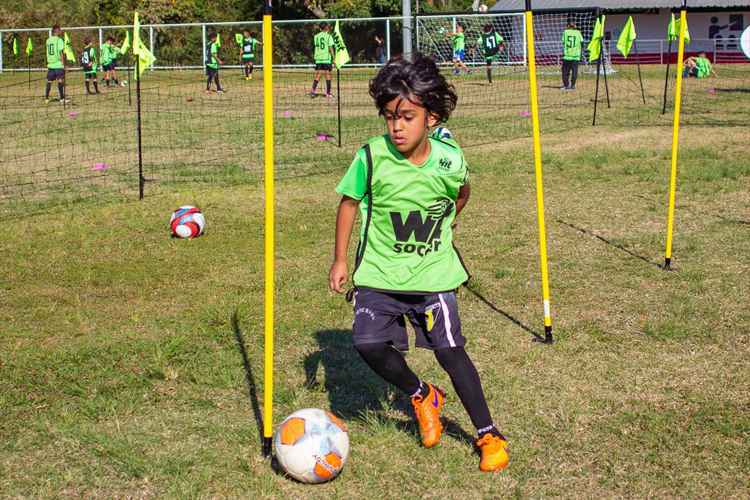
88	65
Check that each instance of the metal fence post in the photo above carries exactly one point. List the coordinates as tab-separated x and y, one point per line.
715	55
661	51
388	39
101	37
1	51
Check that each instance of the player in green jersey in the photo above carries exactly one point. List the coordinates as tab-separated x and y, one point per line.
458	41
247	52
408	188
572	41
698	67
55	49
491	44
88	65
212	64
323	44
109	61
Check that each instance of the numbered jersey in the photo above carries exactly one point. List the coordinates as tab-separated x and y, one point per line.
88	58
490	43
248	47
572	41
323	42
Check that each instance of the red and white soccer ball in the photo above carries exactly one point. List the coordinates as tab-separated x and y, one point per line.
312	445
187	222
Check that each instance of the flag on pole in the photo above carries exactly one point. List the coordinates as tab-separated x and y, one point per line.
125	44
673	30
342	53
68	49
627	37
239	38
595	45
29	47
145	57
15	46
218	40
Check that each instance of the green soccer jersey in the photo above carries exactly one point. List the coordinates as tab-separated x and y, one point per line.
88	59
458	41
490	43
212	60
572	41
409	245
323	43
249	45
703	65
109	53
55	46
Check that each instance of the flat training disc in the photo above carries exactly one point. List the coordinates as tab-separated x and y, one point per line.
745	42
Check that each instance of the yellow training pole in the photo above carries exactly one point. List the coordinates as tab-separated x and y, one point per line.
269	230
538	169
675	138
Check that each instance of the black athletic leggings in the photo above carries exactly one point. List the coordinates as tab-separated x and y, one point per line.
390	364
569	73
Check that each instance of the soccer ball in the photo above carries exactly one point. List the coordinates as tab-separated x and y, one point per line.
124	83
482	8
312	445
441	133
187	222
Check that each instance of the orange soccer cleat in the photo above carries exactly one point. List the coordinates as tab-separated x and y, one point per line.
494	454
427	409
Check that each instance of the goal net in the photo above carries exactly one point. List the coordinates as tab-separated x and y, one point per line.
433	35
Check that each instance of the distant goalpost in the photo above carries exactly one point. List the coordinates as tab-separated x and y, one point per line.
432	34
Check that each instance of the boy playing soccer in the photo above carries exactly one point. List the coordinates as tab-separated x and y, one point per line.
491	44
409	188
109	61
247	52
572	40
458	40
88	65
212	65
55	64
323	43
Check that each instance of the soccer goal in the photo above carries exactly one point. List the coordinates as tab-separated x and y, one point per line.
433	34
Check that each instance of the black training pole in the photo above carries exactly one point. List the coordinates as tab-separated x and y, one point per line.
338	101
666	78
28	58
596	93
141	180
638	64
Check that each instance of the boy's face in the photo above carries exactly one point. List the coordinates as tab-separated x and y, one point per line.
459	29
408	124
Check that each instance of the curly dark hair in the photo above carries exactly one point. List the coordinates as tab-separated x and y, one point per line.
417	80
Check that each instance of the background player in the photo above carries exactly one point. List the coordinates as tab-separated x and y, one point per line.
247	52
323	43
458	40
55	64
88	65
212	64
409	267
109	61
491	44
572	40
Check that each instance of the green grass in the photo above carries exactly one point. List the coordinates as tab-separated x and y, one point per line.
121	372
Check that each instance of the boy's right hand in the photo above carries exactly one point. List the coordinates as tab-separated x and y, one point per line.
338	276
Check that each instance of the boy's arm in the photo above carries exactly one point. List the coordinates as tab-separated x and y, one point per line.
338	274
463	198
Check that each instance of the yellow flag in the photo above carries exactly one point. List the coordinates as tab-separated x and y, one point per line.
145	57
125	44
342	53
628	35
68	49
673	30
595	45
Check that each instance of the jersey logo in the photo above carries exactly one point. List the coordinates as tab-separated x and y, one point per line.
423	228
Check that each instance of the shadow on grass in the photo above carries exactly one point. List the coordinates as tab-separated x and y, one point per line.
610	243
354	390
537	336
252	391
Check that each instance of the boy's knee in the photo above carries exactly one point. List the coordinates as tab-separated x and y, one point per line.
451	357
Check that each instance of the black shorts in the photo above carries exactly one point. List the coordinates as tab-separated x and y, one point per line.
110	67
323	66
381	317
55	74
89	72
212	72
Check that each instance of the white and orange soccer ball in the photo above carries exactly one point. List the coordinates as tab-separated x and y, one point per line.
312	445
187	222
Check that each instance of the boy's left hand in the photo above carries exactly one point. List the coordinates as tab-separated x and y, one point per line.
338	276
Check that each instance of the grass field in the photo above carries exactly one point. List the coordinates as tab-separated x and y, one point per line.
131	364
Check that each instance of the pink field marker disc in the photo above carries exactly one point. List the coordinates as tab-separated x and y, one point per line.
100	166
